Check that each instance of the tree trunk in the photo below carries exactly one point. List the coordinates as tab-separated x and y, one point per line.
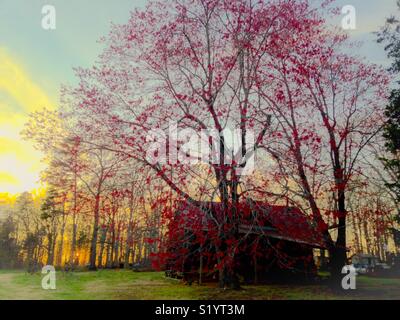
103	238
116	254
93	247
128	244
74	224
73	242
61	245
133	254
108	255
140	251
338	253
228	277
50	251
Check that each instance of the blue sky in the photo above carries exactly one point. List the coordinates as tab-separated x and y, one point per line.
35	62
52	54
81	22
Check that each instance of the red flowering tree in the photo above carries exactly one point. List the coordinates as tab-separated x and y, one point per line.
267	68
329	112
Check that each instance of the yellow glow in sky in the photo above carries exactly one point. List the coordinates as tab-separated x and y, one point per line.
19	95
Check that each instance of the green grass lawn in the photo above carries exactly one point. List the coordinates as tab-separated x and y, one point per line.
113	284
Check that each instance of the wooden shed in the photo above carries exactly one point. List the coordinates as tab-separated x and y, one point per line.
277	243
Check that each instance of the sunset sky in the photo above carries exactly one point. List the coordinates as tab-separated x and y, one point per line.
35	62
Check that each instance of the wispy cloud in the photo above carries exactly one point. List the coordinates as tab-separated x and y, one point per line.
17	84
19	95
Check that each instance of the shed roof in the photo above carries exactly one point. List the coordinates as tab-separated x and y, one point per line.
279	222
